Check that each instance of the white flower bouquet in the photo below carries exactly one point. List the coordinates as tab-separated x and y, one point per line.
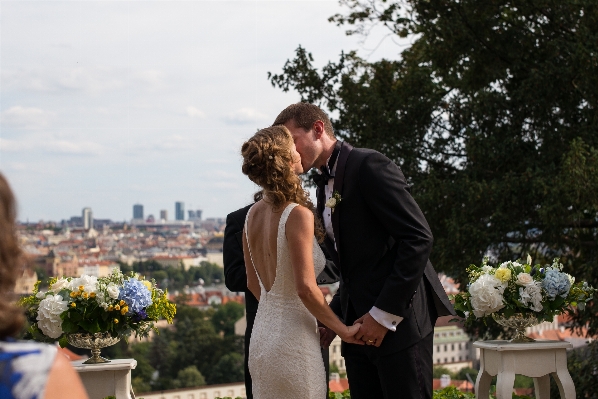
520	288
116	304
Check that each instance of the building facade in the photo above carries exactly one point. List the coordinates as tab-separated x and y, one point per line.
137	211
179	210
87	217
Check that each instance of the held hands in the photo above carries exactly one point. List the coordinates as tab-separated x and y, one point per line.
371	332
349	333
326	335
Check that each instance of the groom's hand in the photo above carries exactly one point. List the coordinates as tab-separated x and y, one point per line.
326	335
371	332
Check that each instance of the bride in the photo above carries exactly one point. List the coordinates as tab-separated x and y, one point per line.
282	257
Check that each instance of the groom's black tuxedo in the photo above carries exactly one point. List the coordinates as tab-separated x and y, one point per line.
383	244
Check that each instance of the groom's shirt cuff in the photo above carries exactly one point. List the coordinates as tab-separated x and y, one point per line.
386	319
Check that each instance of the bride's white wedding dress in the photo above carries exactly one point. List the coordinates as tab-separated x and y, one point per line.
284	351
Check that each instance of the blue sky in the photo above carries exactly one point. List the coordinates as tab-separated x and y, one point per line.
110	103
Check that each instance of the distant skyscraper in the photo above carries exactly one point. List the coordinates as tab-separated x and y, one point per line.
137	211
87	218
179	210
164	214
198	214
191	214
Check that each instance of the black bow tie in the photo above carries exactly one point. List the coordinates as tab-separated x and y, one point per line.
321	179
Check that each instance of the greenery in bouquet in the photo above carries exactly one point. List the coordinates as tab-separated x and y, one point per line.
117	304
518	287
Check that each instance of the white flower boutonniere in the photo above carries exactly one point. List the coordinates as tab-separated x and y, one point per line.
334	201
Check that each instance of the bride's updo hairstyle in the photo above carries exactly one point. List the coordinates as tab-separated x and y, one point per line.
267	161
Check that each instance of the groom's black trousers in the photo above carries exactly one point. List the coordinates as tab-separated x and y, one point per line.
404	374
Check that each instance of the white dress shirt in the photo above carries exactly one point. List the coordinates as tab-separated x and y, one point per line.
386	319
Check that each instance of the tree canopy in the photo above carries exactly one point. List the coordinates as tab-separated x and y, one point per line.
491	115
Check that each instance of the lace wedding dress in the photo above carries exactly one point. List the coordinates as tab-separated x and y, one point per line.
284	351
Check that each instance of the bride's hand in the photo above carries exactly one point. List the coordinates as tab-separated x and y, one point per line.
348	334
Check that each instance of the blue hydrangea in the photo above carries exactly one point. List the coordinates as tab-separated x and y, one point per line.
556	283
136	295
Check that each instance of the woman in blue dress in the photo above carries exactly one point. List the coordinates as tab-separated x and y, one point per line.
28	370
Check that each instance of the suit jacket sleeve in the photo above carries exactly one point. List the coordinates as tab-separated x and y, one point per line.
385	190
235	275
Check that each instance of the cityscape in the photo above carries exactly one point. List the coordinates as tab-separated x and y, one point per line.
184	255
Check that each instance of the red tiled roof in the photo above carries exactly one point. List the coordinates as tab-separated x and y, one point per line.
338	386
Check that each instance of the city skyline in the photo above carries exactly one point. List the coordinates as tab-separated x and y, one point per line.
106	104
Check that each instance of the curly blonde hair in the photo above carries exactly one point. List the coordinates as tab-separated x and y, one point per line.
267	160
11	262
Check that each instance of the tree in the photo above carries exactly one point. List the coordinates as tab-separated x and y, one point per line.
228	369
490	113
189	377
226	316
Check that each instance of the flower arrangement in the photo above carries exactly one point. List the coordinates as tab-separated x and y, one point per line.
517	287
117	304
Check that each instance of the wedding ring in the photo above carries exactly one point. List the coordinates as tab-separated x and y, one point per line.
370	341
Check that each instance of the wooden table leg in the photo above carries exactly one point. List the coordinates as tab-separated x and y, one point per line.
562	377
482	382
506	377
542	387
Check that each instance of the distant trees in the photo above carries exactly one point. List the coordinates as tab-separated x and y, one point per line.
176	278
193	353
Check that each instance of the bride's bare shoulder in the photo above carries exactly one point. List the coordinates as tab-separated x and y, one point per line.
301	216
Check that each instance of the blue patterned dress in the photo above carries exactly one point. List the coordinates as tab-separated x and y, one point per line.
24	369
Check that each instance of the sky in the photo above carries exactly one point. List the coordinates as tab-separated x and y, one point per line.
106	104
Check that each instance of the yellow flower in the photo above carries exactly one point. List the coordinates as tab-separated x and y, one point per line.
92	295
73	294
122	303
124	310
110	308
84	295
81	288
117	307
115	321
147	284
503	275
73	305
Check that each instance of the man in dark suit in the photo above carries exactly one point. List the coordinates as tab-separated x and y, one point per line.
381	242
235	279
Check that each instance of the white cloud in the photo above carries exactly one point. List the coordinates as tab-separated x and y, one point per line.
244	116
50	145
195	112
26	117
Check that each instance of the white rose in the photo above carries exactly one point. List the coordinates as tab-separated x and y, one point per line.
486	295
40	294
524	279
48	315
504	265
59	285
331	203
531	296
89	283
112	290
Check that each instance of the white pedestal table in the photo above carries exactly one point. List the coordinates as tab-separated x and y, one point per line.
106	379
538	360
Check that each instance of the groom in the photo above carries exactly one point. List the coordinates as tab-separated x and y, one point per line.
381	241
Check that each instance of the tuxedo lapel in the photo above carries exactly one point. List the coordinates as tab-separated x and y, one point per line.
339	176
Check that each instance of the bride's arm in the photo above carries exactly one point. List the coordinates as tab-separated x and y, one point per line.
300	237
252	281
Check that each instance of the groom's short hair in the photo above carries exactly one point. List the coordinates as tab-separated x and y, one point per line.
305	115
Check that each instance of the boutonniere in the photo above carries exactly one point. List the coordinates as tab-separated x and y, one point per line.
334	200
